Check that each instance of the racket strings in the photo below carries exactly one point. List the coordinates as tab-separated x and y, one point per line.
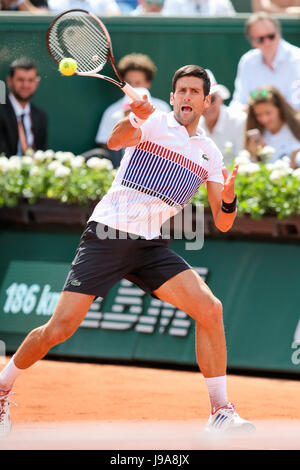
80	37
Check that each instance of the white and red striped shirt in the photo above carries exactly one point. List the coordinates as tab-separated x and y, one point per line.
158	177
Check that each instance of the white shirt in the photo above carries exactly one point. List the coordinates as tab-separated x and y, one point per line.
158	177
115	112
284	142
95	6
27	121
230	127
252	73
203	7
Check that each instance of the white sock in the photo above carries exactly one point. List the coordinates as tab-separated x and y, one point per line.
9	374
217	391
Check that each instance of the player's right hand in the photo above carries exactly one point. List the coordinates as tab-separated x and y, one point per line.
142	108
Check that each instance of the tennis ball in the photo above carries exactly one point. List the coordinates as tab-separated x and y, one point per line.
68	66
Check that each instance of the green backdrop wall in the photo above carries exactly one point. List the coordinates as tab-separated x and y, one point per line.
257	282
75	105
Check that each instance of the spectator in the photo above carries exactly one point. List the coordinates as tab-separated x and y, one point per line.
138	70
273	61
272	121
223	124
281	7
100	7
22	125
203	7
148	6
33	6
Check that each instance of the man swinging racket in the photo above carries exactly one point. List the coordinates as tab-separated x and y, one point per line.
161	170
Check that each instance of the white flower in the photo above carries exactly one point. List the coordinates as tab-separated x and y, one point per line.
266	152
243	158
62	171
27	192
14	163
40	155
27	160
99	163
3	164
34	171
228	147
49	153
249	169
64	156
282	164
77	162
279	172
54	165
296	173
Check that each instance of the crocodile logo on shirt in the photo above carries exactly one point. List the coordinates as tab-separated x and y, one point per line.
205	156
75	283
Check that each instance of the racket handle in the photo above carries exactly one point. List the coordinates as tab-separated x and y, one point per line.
131	92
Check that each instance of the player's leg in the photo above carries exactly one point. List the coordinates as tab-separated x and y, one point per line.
188	292
69	313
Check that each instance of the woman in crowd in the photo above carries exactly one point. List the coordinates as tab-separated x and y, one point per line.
272	121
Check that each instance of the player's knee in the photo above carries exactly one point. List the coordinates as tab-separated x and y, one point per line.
212	316
57	333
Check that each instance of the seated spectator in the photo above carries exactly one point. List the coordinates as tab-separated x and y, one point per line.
272	121
223	124
100	7
33	6
272	60
280	7
202	7
127	6
22	124
138	70
148	6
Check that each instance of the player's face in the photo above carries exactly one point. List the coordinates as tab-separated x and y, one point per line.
137	79
23	83
268	116
188	100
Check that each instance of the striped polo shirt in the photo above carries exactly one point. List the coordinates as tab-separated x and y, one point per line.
158	177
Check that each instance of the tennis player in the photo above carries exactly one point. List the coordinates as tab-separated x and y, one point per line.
167	158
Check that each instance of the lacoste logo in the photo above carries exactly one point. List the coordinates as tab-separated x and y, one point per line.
205	156
75	283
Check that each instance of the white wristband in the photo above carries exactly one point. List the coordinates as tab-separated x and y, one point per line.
136	121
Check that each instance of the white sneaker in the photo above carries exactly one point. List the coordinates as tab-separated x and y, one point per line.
226	419
5	420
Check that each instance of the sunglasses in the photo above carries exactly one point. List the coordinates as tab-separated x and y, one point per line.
256	94
261	39
157	2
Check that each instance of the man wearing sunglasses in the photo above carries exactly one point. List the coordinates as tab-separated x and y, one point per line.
272	61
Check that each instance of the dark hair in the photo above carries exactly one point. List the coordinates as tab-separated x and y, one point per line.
269	94
140	62
192	71
22	63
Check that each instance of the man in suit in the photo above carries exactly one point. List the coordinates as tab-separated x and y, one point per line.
22	124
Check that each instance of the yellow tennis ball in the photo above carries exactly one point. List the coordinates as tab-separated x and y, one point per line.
68	66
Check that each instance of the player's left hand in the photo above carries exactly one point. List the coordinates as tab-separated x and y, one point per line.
228	193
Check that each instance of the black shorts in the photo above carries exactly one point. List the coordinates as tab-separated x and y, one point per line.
101	263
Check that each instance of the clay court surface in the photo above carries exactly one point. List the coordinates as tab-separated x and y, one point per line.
67	405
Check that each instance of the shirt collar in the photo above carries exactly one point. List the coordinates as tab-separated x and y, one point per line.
17	107
172	122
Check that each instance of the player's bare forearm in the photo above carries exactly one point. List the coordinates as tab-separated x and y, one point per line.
124	134
216	194
224	221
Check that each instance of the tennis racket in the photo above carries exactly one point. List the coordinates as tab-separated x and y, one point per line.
80	35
